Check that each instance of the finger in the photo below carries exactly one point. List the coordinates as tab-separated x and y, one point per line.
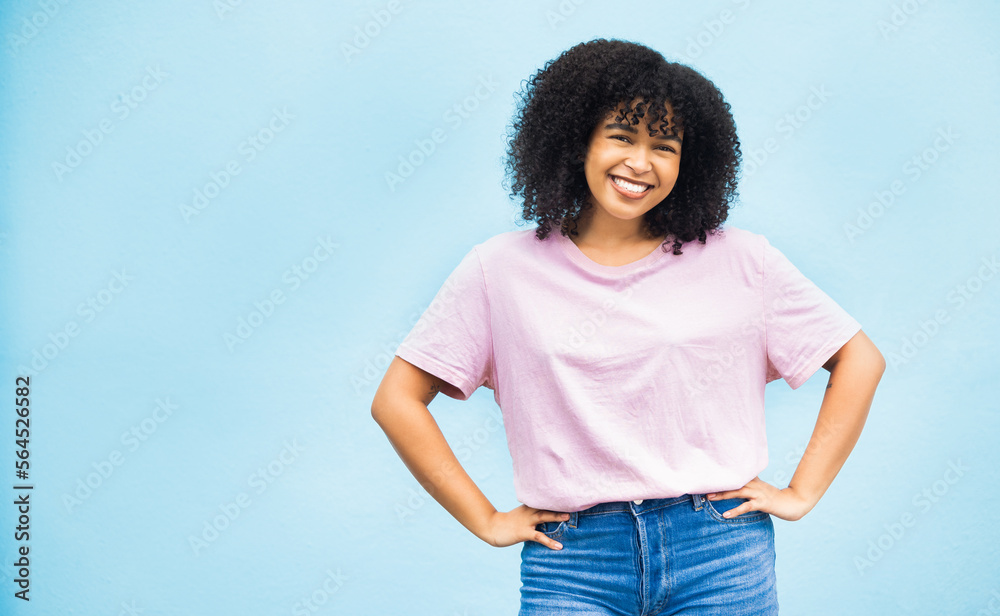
548	516
722	495
540	537
735	511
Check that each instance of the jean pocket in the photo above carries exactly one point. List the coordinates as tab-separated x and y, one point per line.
718	507
552	530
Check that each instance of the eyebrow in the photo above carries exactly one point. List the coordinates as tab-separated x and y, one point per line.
627	128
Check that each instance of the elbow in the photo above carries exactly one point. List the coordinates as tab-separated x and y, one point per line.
873	362
868	355
379	417
877	361
382	407
874	365
376	409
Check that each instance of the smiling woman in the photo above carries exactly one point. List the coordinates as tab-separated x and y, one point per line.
629	172
640	163
635	456
607	109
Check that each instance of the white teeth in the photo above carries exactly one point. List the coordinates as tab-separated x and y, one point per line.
629	186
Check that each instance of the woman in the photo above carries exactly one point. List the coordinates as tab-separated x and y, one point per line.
630	377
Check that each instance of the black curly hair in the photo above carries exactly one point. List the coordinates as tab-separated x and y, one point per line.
561	104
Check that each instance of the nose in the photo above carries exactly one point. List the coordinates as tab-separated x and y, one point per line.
638	161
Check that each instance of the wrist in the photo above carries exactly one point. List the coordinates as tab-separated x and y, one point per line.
807	499
484	527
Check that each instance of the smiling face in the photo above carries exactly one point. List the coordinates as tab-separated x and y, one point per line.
628	171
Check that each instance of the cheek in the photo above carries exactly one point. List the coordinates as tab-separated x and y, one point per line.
669	181
596	176
673	170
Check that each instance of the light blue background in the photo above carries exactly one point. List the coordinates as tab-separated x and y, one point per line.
340	500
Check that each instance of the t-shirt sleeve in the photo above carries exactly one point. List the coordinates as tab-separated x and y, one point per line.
453	338
803	326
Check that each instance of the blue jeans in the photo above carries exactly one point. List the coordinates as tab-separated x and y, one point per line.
655	558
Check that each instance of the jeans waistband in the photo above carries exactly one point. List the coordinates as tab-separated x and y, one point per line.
696	501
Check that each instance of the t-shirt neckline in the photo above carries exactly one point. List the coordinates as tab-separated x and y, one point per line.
577	256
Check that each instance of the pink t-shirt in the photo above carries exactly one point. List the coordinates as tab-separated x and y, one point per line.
632	382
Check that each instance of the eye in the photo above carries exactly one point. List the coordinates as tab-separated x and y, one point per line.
622	137
668	148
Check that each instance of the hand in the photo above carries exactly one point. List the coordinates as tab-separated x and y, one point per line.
785	503
518	524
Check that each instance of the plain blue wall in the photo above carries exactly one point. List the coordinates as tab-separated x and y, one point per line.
277	427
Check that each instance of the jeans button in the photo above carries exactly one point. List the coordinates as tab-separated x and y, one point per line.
638	502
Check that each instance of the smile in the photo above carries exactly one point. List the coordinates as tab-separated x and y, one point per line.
628	188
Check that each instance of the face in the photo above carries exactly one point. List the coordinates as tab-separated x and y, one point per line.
629	172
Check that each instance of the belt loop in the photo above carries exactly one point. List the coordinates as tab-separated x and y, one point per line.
698	500
572	519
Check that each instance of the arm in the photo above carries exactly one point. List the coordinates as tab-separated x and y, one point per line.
855	371
400	409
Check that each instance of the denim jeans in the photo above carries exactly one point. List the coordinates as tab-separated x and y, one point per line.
653	558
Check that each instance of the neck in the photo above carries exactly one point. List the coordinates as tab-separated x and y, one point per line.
595	228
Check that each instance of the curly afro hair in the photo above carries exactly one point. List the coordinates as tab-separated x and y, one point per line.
562	103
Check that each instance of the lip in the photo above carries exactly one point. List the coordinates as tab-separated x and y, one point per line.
621	191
